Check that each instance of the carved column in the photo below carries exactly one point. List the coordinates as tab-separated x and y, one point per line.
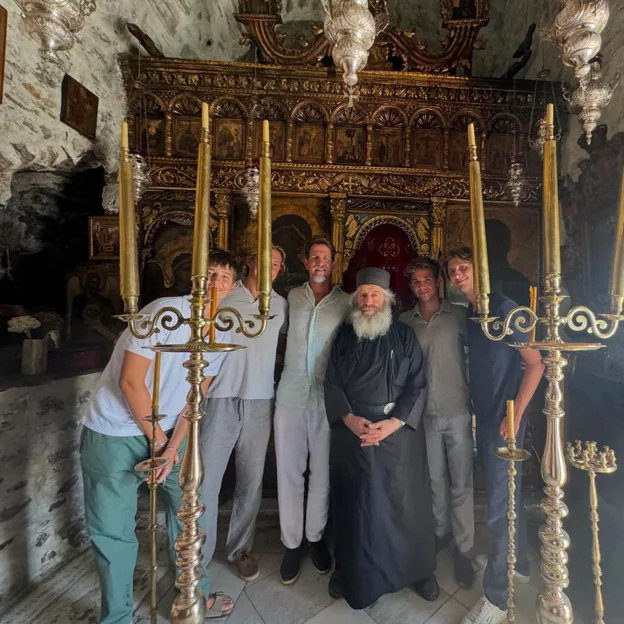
438	221
482	157
407	149
168	134
290	134
369	144
329	155
445	148
223	207
338	210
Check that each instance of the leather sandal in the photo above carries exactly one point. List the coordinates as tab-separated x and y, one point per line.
218	608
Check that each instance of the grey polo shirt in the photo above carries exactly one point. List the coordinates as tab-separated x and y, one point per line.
249	373
443	340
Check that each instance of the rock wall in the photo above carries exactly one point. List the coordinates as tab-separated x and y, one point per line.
33	136
41	509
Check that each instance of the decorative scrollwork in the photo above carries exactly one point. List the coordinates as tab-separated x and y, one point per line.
582	319
225	323
520	319
169	318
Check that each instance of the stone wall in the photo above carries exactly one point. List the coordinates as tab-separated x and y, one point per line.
33	136
41	508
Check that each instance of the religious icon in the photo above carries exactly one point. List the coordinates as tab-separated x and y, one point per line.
151	136
229	139
388	147
458	151
186	136
277	139
104	238
464	9
427	149
79	107
349	146
309	143
500	149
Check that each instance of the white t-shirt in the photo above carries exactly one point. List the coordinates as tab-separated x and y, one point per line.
249	373
109	412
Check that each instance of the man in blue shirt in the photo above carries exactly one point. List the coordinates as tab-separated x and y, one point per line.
495	377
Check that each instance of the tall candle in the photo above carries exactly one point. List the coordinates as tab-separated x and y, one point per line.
616	284
128	259
264	224
481	273
511	425
533	307
213	313
201	225
550	209
156	388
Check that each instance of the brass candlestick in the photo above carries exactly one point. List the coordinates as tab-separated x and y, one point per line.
189	606
593	462
553	605
512	455
151	465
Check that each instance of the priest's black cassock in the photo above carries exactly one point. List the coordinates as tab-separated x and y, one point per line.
380	495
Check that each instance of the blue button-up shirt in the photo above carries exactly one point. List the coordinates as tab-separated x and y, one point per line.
311	331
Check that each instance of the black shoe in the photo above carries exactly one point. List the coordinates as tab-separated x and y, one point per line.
321	559
291	565
427	588
334	586
464	572
442	542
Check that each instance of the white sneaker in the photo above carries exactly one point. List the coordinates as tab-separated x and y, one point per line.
480	563
484	612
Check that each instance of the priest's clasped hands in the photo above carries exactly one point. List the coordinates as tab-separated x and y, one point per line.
371	433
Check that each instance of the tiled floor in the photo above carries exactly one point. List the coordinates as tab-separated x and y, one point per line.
72	595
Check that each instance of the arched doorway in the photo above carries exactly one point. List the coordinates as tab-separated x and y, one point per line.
386	246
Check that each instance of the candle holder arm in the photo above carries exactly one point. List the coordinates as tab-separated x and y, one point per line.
581	318
521	319
143	326
227	318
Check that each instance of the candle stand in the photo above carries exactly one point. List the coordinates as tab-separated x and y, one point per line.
553	605
189	605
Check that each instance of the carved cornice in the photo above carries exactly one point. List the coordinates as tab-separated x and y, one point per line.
326	179
463	31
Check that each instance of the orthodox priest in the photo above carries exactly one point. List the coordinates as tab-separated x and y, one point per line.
375	394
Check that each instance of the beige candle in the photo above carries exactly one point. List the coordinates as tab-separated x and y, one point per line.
201	225
533	307
511	425
128	260
616	284
156	388
213	313
550	209
481	273
264	223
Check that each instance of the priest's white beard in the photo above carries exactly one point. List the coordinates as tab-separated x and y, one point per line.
369	327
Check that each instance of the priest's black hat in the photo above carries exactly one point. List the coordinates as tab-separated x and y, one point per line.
373	276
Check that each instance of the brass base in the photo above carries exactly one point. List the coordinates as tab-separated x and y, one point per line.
515	455
193	613
558	346
147	465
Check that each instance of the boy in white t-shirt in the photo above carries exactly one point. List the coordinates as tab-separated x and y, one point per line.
116	437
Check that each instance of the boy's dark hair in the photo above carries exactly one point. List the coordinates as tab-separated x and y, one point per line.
222	258
422	263
461	253
320	240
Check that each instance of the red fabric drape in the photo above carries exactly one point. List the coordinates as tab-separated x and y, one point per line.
388	247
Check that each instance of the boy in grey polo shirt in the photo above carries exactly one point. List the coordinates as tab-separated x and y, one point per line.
316	310
441	331
237	417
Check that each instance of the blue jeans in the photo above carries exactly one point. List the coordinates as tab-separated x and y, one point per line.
497	492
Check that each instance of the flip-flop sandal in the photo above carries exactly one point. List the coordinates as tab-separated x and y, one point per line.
217	609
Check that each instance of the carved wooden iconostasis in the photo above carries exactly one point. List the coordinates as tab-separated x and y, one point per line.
385	179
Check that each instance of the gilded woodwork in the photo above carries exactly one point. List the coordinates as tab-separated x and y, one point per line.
338	211
463	19
223	208
438	224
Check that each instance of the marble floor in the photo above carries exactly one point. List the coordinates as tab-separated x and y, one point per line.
72	595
